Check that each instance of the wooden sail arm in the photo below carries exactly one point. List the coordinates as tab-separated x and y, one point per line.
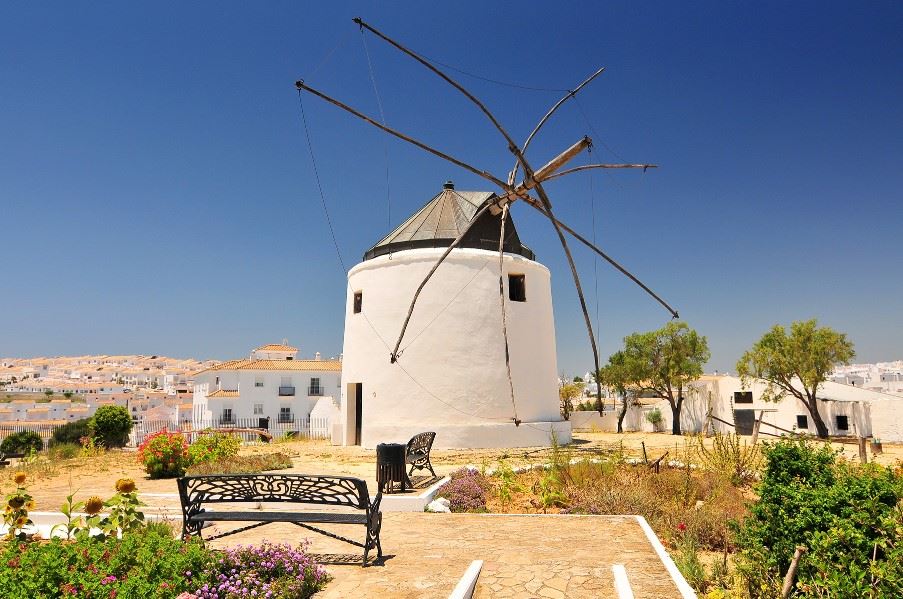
393	357
488	176
547	171
585	167
513	176
534	203
511	144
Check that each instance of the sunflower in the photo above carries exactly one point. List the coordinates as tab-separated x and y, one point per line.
21	521
19	478
29	505
93	505
125	485
16	501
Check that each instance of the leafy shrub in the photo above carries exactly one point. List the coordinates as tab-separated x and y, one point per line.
466	491
848	516
63	451
139	565
731	457
654	417
112	425
212	447
73	432
22	442
164	454
270	570
243	464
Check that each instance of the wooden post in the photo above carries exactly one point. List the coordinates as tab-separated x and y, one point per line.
791	572
863	456
756	425
645	458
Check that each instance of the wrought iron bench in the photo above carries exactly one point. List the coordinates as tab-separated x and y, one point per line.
338	491
417	453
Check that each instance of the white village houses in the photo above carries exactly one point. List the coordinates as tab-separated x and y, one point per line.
271	387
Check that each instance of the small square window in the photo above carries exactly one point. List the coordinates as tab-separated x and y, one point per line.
358	301
802	421
517	288
843	423
743	397
258	408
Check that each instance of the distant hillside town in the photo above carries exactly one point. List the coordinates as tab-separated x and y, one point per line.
160	389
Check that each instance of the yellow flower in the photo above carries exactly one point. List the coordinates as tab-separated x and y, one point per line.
125	485
16	501
93	505
19	478
21	521
29	505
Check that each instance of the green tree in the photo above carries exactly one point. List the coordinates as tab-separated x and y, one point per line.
796	364
567	393
67	394
112	425
621	376
48	393
665	361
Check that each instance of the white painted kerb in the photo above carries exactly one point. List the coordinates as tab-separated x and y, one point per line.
686	591
468	583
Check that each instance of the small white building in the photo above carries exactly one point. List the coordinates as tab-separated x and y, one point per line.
847	410
272	386
451	377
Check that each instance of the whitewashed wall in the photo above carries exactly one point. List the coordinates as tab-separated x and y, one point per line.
451	377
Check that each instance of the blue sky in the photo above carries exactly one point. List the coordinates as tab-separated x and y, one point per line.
157	196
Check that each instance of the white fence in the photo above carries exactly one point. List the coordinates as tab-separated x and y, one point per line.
311	428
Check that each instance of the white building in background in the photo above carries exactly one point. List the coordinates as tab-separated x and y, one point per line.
847	410
272	386
451	376
884	377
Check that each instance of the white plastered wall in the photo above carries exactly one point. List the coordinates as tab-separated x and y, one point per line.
451	376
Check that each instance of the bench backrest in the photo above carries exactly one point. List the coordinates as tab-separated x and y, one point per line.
420	443
344	491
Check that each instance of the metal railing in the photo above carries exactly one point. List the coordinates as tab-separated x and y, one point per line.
315	391
285	418
303	426
286	391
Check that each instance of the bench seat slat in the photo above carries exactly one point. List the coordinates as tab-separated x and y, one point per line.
318	517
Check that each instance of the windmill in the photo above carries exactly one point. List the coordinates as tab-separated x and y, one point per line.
498	205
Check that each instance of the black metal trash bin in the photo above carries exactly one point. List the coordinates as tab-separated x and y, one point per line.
390	467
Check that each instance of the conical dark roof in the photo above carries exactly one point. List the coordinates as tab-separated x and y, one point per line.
443	218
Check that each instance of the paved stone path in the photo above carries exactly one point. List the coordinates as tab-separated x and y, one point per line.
550	556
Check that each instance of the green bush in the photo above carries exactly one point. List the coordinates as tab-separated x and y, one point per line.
212	447
22	442
139	565
73	432
112	425
846	515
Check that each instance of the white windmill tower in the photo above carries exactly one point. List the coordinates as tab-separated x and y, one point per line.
451	378
472	344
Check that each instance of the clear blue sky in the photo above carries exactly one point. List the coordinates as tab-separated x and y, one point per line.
157	196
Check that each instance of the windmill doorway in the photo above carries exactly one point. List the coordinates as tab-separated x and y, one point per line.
355	409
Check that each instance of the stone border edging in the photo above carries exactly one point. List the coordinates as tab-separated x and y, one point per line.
686	591
468	583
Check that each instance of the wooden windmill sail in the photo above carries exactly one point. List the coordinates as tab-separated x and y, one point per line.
461	222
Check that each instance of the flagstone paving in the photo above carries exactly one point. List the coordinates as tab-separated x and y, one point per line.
550	556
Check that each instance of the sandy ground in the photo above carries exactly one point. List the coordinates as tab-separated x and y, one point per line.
51	483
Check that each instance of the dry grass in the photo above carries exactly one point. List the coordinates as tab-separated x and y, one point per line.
244	464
